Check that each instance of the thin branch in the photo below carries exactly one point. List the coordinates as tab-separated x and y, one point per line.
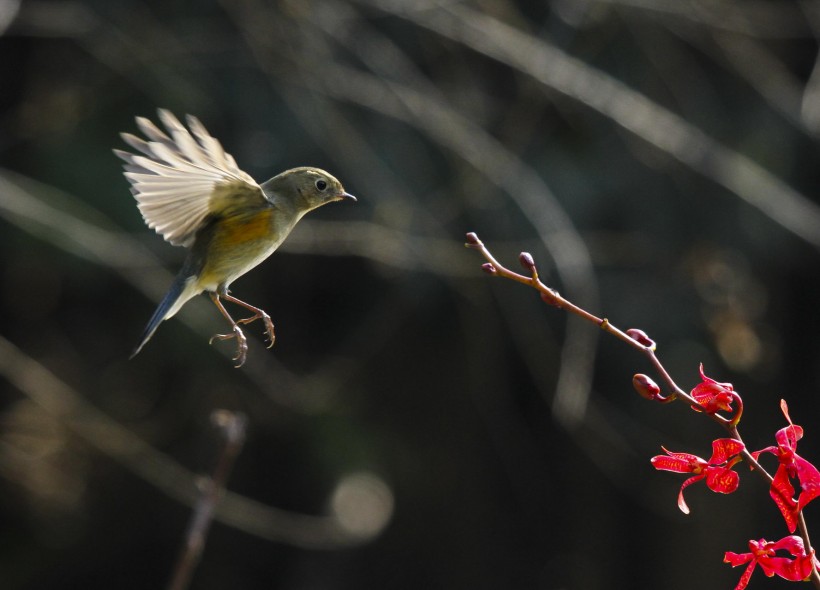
635	112
232	427
64	221
764	20
57	398
552	297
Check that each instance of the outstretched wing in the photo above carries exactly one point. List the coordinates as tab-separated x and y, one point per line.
174	178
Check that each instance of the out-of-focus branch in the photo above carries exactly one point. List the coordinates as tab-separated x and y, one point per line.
378	243
340	529
523	186
66	222
767	74
625	106
232	427
430	114
765	20
8	12
70	225
810	104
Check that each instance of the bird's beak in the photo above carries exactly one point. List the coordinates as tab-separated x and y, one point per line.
348	196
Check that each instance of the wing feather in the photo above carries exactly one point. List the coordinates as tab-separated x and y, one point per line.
174	175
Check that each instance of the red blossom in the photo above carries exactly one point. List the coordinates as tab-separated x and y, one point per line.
717	470
713	396
763	553
792	466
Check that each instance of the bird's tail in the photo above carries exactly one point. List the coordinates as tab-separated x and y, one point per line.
181	291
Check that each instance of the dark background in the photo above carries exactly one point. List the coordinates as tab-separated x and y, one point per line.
418	424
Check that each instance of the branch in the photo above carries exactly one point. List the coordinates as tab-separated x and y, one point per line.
233	427
64	403
641	342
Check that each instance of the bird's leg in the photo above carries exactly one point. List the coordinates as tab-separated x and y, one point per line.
241	341
258	314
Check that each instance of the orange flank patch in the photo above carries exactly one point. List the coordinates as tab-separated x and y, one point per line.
238	242
238	229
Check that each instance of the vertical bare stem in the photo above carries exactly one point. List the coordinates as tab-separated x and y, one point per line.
232	426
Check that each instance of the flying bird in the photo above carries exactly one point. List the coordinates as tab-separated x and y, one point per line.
193	194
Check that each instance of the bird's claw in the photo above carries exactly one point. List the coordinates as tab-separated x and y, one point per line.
241	344
269	331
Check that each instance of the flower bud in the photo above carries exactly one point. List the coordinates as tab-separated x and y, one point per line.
645	386
472	239
489	268
527	262
640	337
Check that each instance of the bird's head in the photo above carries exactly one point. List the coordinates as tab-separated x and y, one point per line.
306	188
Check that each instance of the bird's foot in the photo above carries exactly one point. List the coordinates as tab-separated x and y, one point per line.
241	344
261	315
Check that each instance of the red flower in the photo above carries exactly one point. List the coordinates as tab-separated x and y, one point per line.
717	470
792	466
763	554
713	396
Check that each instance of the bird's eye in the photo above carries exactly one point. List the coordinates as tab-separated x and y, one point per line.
321	184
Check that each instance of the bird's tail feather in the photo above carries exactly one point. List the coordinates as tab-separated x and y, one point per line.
178	294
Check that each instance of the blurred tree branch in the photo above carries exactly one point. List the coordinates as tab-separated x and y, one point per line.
233	428
101	432
627	107
70	225
426	110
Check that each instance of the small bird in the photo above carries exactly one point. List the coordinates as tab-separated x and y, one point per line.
192	193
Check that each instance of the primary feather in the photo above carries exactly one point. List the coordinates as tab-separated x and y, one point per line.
174	177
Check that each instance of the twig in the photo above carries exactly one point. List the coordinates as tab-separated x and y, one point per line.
62	402
233	427
555	69
637	340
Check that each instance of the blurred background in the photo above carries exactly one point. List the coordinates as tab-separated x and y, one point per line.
418	424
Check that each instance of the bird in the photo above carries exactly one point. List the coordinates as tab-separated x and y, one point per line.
192	193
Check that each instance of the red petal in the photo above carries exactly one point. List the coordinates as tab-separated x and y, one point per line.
723	449
681	502
799	569
784	407
710	381
794	570
677	462
713	396
687	456
809	478
788	436
703	376
747	575
756	454
722	480
782	492
793	544
736	559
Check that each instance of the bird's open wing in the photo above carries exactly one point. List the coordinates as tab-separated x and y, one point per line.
174	178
